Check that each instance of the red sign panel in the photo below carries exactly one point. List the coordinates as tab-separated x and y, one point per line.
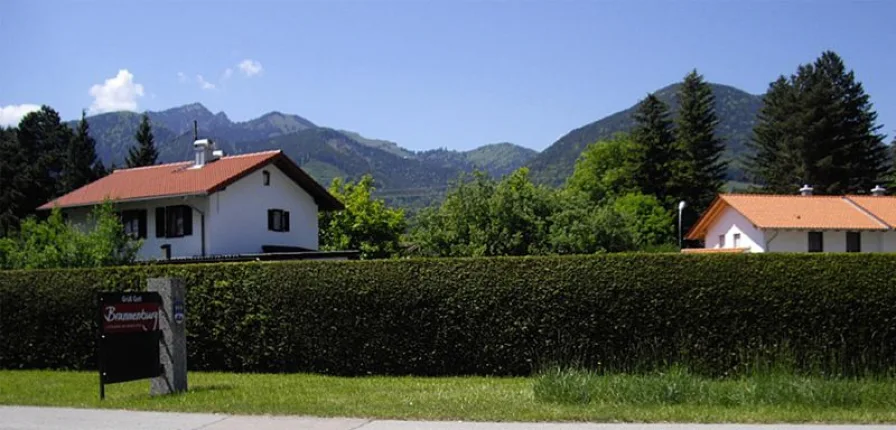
130	317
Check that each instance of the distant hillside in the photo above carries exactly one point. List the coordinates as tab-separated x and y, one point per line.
404	176
736	109
498	159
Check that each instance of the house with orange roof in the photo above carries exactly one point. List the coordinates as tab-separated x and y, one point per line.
214	205
798	223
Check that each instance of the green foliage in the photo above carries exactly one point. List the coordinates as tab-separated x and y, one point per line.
581	227
41	141
53	243
366	224
818	127
601	171
714	314
700	174
653	160
80	166
650	223
145	152
13	184
483	217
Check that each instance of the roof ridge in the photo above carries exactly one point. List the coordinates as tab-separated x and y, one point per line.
250	154
154	166
866	211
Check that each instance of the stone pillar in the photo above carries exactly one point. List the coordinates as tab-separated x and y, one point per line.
173	345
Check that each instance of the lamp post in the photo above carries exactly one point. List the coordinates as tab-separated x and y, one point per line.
681	206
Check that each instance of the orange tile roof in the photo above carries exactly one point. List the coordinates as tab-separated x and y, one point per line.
179	179
882	207
792	212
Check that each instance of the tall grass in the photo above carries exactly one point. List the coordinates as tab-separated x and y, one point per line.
678	386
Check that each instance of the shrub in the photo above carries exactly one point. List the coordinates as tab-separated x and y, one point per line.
713	314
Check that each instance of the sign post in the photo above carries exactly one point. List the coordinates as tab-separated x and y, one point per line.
129	337
173	352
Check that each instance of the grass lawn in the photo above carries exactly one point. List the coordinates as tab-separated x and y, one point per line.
462	398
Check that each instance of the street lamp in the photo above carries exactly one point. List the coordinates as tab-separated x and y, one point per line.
681	206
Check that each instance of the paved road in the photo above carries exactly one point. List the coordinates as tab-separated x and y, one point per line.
33	418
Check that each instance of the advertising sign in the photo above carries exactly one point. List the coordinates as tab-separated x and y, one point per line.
129	337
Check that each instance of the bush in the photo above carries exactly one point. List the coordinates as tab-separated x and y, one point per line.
713	314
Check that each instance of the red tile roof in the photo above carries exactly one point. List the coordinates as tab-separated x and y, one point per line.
180	179
801	212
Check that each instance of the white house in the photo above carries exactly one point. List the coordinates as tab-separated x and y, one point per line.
798	223
214	205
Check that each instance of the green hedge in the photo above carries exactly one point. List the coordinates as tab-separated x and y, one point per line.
501	316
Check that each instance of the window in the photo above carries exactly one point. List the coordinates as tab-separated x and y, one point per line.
267	177
737	240
134	222
853	241
816	241
174	221
278	220
721	241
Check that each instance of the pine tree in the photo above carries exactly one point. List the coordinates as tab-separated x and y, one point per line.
144	153
701	170
775	162
13	181
42	139
81	164
653	157
818	128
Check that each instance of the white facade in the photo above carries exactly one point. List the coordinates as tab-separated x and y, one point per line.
733	230
235	219
722	234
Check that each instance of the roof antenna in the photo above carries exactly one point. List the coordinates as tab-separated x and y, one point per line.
195	130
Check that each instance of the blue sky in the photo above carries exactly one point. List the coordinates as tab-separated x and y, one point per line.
425	74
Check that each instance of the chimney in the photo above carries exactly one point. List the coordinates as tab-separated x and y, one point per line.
806	190
878	191
204	149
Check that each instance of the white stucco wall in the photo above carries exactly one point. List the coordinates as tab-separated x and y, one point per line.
238	215
834	241
187	246
730	223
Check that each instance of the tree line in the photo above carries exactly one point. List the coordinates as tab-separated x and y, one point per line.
43	158
817	126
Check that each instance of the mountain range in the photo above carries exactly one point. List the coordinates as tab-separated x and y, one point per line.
405	177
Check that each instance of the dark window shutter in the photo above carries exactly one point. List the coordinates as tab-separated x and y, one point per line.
141	224
270	219
188	220
285	221
160	222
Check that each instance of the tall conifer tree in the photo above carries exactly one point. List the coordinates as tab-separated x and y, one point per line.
653	157
144	153
701	170
818	128
42	139
81	164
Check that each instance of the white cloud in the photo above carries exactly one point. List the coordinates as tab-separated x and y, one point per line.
228	72
181	77
115	94
250	67
12	114
205	85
